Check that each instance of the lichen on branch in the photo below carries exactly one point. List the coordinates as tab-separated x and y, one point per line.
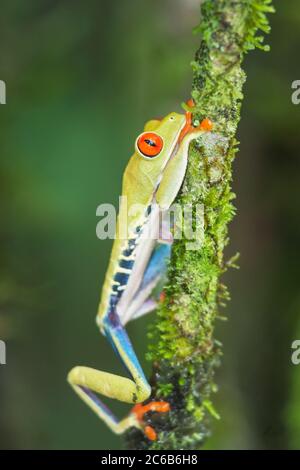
182	346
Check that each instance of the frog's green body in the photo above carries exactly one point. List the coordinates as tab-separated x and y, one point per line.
137	262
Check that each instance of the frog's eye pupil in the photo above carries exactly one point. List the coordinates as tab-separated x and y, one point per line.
149	144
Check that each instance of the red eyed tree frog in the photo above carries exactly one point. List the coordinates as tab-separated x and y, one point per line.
152	179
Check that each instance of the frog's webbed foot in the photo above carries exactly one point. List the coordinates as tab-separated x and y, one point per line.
140	410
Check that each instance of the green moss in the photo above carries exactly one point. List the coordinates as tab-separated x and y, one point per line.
182	347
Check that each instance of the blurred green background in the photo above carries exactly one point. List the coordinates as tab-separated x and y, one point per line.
82	77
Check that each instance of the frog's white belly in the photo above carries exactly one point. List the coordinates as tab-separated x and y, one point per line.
144	249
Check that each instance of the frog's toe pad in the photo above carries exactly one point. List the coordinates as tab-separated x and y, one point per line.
140	410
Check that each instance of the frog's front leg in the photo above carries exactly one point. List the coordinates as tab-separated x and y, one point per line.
86	381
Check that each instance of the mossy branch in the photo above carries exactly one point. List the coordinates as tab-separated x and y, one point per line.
182	347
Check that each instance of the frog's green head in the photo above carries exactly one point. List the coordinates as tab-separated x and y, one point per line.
157	142
153	149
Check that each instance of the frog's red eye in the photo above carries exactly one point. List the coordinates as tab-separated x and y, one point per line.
150	144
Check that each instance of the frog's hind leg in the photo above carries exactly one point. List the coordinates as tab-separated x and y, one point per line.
102	411
87	381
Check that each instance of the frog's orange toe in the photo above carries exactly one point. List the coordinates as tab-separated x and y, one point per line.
206	125
150	433
190	103
140	410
